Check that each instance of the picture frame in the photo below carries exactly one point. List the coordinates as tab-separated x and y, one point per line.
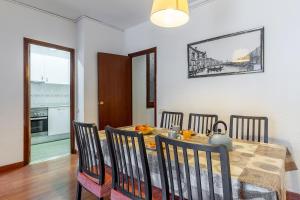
236	53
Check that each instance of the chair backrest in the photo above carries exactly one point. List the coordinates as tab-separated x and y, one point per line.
174	166
171	118
201	123
91	161
129	163
249	128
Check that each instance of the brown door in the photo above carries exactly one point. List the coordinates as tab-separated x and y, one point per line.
114	90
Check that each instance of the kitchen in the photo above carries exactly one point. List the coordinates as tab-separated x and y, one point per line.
50	102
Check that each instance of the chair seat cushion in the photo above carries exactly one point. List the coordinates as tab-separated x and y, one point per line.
91	184
117	195
156	193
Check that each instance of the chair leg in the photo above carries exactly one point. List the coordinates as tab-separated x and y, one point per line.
78	192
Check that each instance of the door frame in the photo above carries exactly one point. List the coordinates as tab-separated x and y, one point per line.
145	52
26	106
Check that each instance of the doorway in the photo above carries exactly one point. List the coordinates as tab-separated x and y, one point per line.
48	101
118	91
144	66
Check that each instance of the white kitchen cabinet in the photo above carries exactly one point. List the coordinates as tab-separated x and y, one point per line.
49	69
36	68
57	70
58	120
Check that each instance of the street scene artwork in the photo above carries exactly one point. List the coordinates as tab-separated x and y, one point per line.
236	53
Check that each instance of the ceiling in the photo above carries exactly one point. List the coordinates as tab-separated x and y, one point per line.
121	14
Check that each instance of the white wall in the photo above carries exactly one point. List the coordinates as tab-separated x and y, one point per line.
275	93
140	113
93	37
17	22
80	39
87	36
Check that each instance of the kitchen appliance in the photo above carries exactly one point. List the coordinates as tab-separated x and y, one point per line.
39	121
217	137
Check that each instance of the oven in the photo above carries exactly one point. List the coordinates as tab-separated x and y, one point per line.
39	121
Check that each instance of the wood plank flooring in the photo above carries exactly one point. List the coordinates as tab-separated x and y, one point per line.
50	180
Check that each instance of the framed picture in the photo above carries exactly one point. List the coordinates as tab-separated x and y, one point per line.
236	53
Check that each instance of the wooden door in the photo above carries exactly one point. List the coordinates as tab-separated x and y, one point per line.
114	90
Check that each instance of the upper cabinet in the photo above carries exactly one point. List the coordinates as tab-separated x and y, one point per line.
57	71
36	68
49	67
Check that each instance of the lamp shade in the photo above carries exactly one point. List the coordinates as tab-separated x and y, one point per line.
170	13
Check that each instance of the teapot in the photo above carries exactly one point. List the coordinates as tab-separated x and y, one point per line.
173	135
175	128
217	137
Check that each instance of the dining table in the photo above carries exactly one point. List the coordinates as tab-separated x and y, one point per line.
257	169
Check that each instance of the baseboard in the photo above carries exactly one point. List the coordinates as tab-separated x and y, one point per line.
74	151
292	196
10	167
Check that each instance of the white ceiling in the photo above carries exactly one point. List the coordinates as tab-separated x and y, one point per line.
118	13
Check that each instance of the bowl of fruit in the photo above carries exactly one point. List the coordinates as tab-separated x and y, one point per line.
151	145
144	129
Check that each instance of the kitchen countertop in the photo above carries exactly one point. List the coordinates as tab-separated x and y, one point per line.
50	106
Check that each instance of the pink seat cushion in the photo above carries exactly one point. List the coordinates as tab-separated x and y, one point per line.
91	184
117	195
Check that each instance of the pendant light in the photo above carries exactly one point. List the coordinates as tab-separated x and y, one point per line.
170	13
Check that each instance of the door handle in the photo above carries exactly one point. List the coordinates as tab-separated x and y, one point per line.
101	102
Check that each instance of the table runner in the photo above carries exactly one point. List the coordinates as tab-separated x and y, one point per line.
257	169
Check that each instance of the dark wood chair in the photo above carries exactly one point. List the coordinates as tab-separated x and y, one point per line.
92	173
201	123
168	119
130	169
173	169
250	128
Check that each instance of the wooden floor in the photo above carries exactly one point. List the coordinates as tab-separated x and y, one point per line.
50	180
